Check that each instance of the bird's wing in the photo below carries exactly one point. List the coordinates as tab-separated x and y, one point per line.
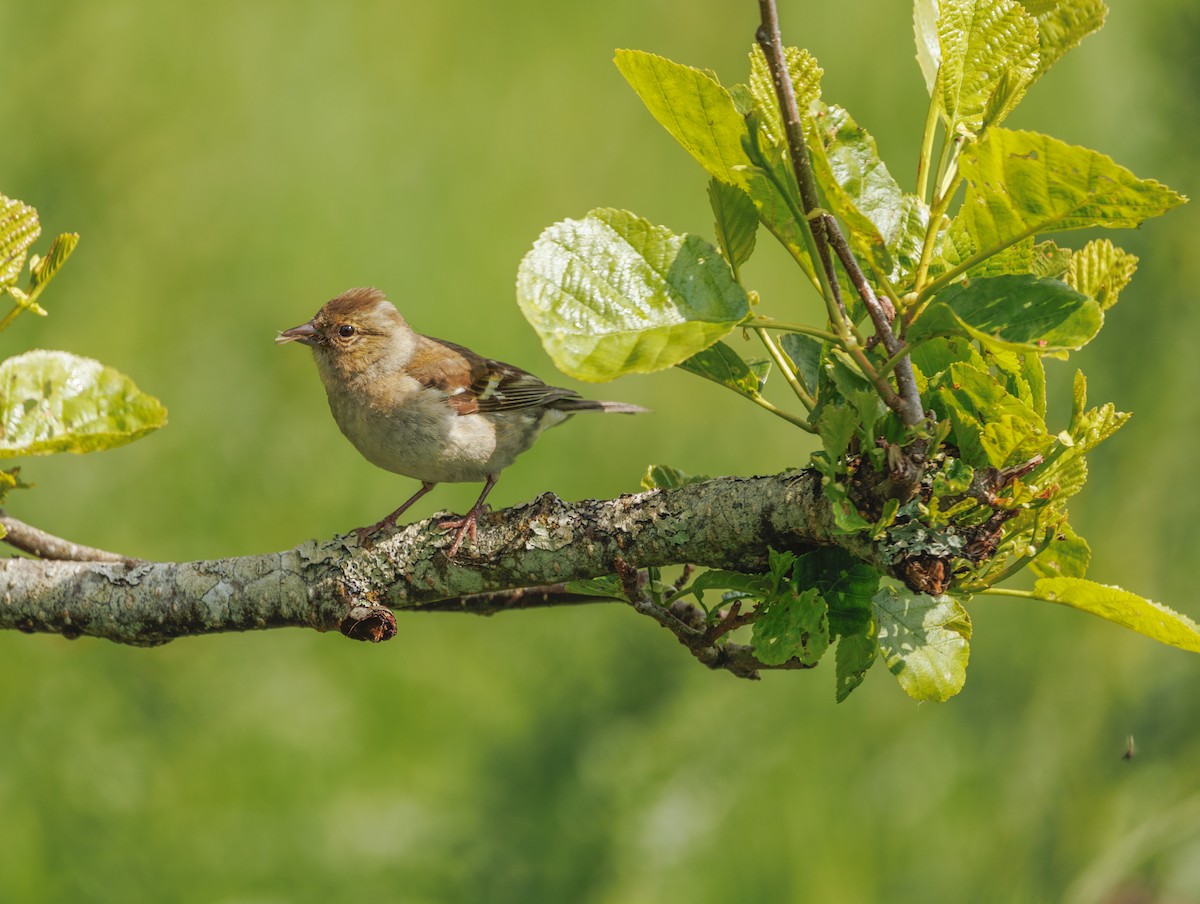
475	384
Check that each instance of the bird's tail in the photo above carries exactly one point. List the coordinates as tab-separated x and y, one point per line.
573	405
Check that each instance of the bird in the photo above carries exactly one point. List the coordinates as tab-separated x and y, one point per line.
427	408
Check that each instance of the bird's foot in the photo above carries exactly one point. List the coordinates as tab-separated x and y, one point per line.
366	534
463	526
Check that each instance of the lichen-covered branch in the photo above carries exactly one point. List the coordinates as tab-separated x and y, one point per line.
522	557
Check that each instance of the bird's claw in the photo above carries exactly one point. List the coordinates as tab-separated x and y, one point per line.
465	525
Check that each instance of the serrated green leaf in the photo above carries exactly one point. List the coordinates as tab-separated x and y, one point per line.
1154	620
19	228
1101	270
1067	556
924	640
792	625
991	426
721	364
44	268
693	106
836	426
613	294
57	402
719	579
854	656
607	587
1061	25
1022	183
985	45
886	226
1049	260
665	477
806	82
736	221
1019	313
1016	258
925	33
932	358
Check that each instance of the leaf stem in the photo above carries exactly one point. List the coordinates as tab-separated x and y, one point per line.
931	120
784	326
785	368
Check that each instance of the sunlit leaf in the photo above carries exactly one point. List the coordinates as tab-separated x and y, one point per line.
1101	270
19	228
1067	556
693	106
1061	25
613	294
1154	620
924	640
806	82
665	477
44	268
985	45
58	402
1020	313
929	51
1022	183
1049	260
991	427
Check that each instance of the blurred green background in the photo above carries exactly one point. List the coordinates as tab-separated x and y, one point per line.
231	166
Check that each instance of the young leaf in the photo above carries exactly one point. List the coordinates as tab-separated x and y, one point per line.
836	426
1124	608
693	106
44	268
723	365
56	402
985	45
887	226
1022	183
991	426
736	221
1101	269
1067	556
806	81
606	587
805	353
612	294
925	642
929	51
792	625
19	228
1049	260
1020	313
1062	25
665	477
855	654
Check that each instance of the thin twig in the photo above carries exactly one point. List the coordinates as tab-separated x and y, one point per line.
37	542
537	597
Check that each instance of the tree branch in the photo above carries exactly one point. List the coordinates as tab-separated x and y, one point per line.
523	557
37	542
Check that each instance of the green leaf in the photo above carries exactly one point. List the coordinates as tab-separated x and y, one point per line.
723	365
986	46
19	228
612	294
736	221
1022	183
694	107
1154	620
1062	25
56	402
42	269
836	426
1101	269
665	477
886	226
929	51
1019	313
607	587
1067	556
806	82
933	357
805	353
1049	260
855	654
791	625
925	642
991	426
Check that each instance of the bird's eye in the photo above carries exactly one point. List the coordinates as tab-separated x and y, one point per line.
345	331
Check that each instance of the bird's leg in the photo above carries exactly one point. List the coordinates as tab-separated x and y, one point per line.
466	524
365	533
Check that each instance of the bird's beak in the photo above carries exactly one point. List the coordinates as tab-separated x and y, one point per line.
306	333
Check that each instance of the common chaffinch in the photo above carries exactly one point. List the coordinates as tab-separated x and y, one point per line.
427	408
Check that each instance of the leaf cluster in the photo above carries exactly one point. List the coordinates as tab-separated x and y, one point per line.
953	293
52	401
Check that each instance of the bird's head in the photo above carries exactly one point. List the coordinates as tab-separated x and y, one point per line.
356	334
